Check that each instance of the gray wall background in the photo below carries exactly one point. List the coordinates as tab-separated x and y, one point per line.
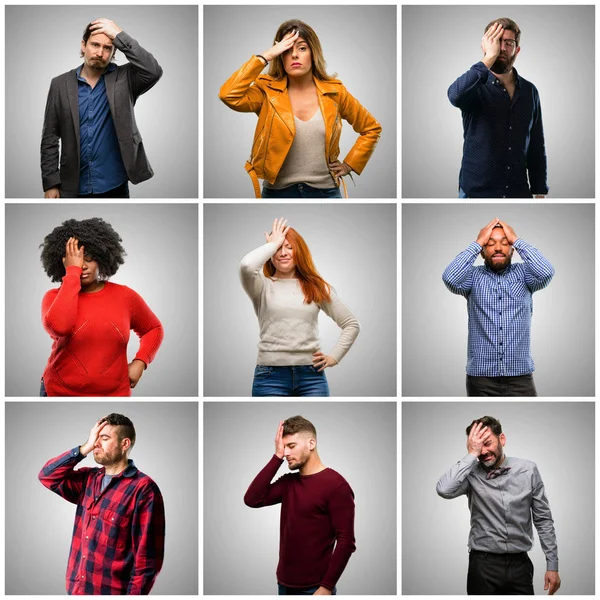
241	544
44	41
354	249
39	523
434	332
435	531
359	44
440	43
161	265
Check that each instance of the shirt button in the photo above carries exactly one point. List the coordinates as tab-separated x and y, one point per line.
506	187
510	126
93	517
87	537
509	148
508	168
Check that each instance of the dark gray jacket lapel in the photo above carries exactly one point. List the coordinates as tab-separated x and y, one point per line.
73	93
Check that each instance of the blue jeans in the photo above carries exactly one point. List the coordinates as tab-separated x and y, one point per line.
461	193
302	380
301	190
43	393
288	591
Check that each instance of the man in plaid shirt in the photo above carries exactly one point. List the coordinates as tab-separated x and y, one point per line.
119	533
500	305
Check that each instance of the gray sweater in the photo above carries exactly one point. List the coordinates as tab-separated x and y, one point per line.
289	332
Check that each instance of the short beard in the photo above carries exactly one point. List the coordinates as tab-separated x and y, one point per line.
500	266
108	459
501	67
492	466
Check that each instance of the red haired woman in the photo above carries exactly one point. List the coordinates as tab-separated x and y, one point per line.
287	293
300	110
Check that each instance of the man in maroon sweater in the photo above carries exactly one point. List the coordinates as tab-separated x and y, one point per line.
317	512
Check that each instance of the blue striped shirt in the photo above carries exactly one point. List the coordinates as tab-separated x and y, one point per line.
499	305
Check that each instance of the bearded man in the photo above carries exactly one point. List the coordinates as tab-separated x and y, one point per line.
317	512
499	305
119	534
505	495
502	122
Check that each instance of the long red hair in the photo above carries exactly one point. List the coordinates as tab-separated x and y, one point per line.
314	287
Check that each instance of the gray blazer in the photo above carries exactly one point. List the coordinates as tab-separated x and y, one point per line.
61	120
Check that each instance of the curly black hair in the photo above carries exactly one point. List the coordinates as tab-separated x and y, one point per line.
101	242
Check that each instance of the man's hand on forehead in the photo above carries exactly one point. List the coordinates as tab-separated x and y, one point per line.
105	26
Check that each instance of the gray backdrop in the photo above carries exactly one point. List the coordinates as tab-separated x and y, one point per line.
434	333
359	44
39	523
440	43
161	264
354	249
241	544
557	436
43	42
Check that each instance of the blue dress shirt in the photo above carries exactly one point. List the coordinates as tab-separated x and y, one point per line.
503	138
101	167
499	305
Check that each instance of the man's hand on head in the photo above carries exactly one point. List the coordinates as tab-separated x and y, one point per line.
105	26
477	438
279	445
93	437
509	232
552	582
484	235
490	44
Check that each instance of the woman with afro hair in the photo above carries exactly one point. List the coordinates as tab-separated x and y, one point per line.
288	293
89	318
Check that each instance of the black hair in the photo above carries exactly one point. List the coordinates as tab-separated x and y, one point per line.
102	243
124	424
86	36
494	425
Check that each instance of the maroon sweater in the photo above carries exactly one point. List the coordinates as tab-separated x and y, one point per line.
316	512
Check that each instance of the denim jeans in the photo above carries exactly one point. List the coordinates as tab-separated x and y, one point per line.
302	380
520	385
119	192
43	393
301	190
288	591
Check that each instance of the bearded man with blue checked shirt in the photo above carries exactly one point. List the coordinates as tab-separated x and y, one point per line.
499	305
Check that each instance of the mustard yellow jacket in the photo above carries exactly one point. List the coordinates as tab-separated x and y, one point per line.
249	91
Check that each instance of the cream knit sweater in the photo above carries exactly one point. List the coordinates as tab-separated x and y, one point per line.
289	332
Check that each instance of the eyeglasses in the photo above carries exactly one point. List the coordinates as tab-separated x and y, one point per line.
510	43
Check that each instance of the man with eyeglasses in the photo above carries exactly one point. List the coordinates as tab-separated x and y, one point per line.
504	155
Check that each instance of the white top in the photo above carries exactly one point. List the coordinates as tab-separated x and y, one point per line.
289	332
305	161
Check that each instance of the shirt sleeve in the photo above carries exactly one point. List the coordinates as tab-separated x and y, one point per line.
537	163
239	93
146	326
59	476
59	307
454	482
341	511
458	276
349	324
148	531
538	271
261	491
463	93
542	519
251	274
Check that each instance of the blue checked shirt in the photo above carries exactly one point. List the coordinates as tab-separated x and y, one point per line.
503	138
500	305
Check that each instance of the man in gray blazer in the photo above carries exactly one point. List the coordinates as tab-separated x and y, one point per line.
90	110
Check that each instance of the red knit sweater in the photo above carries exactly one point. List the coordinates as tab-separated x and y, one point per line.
317	511
90	333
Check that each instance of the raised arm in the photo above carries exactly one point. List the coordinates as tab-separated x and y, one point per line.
49	154
58	474
59	307
463	93
144	70
261	491
148	532
251	265
538	271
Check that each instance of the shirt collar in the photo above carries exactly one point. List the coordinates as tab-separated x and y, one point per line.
111	67
492	78
323	87
129	471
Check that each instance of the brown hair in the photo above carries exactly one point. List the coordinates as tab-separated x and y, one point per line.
86	36
297	424
314	287
307	33
493	424
123	427
507	24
